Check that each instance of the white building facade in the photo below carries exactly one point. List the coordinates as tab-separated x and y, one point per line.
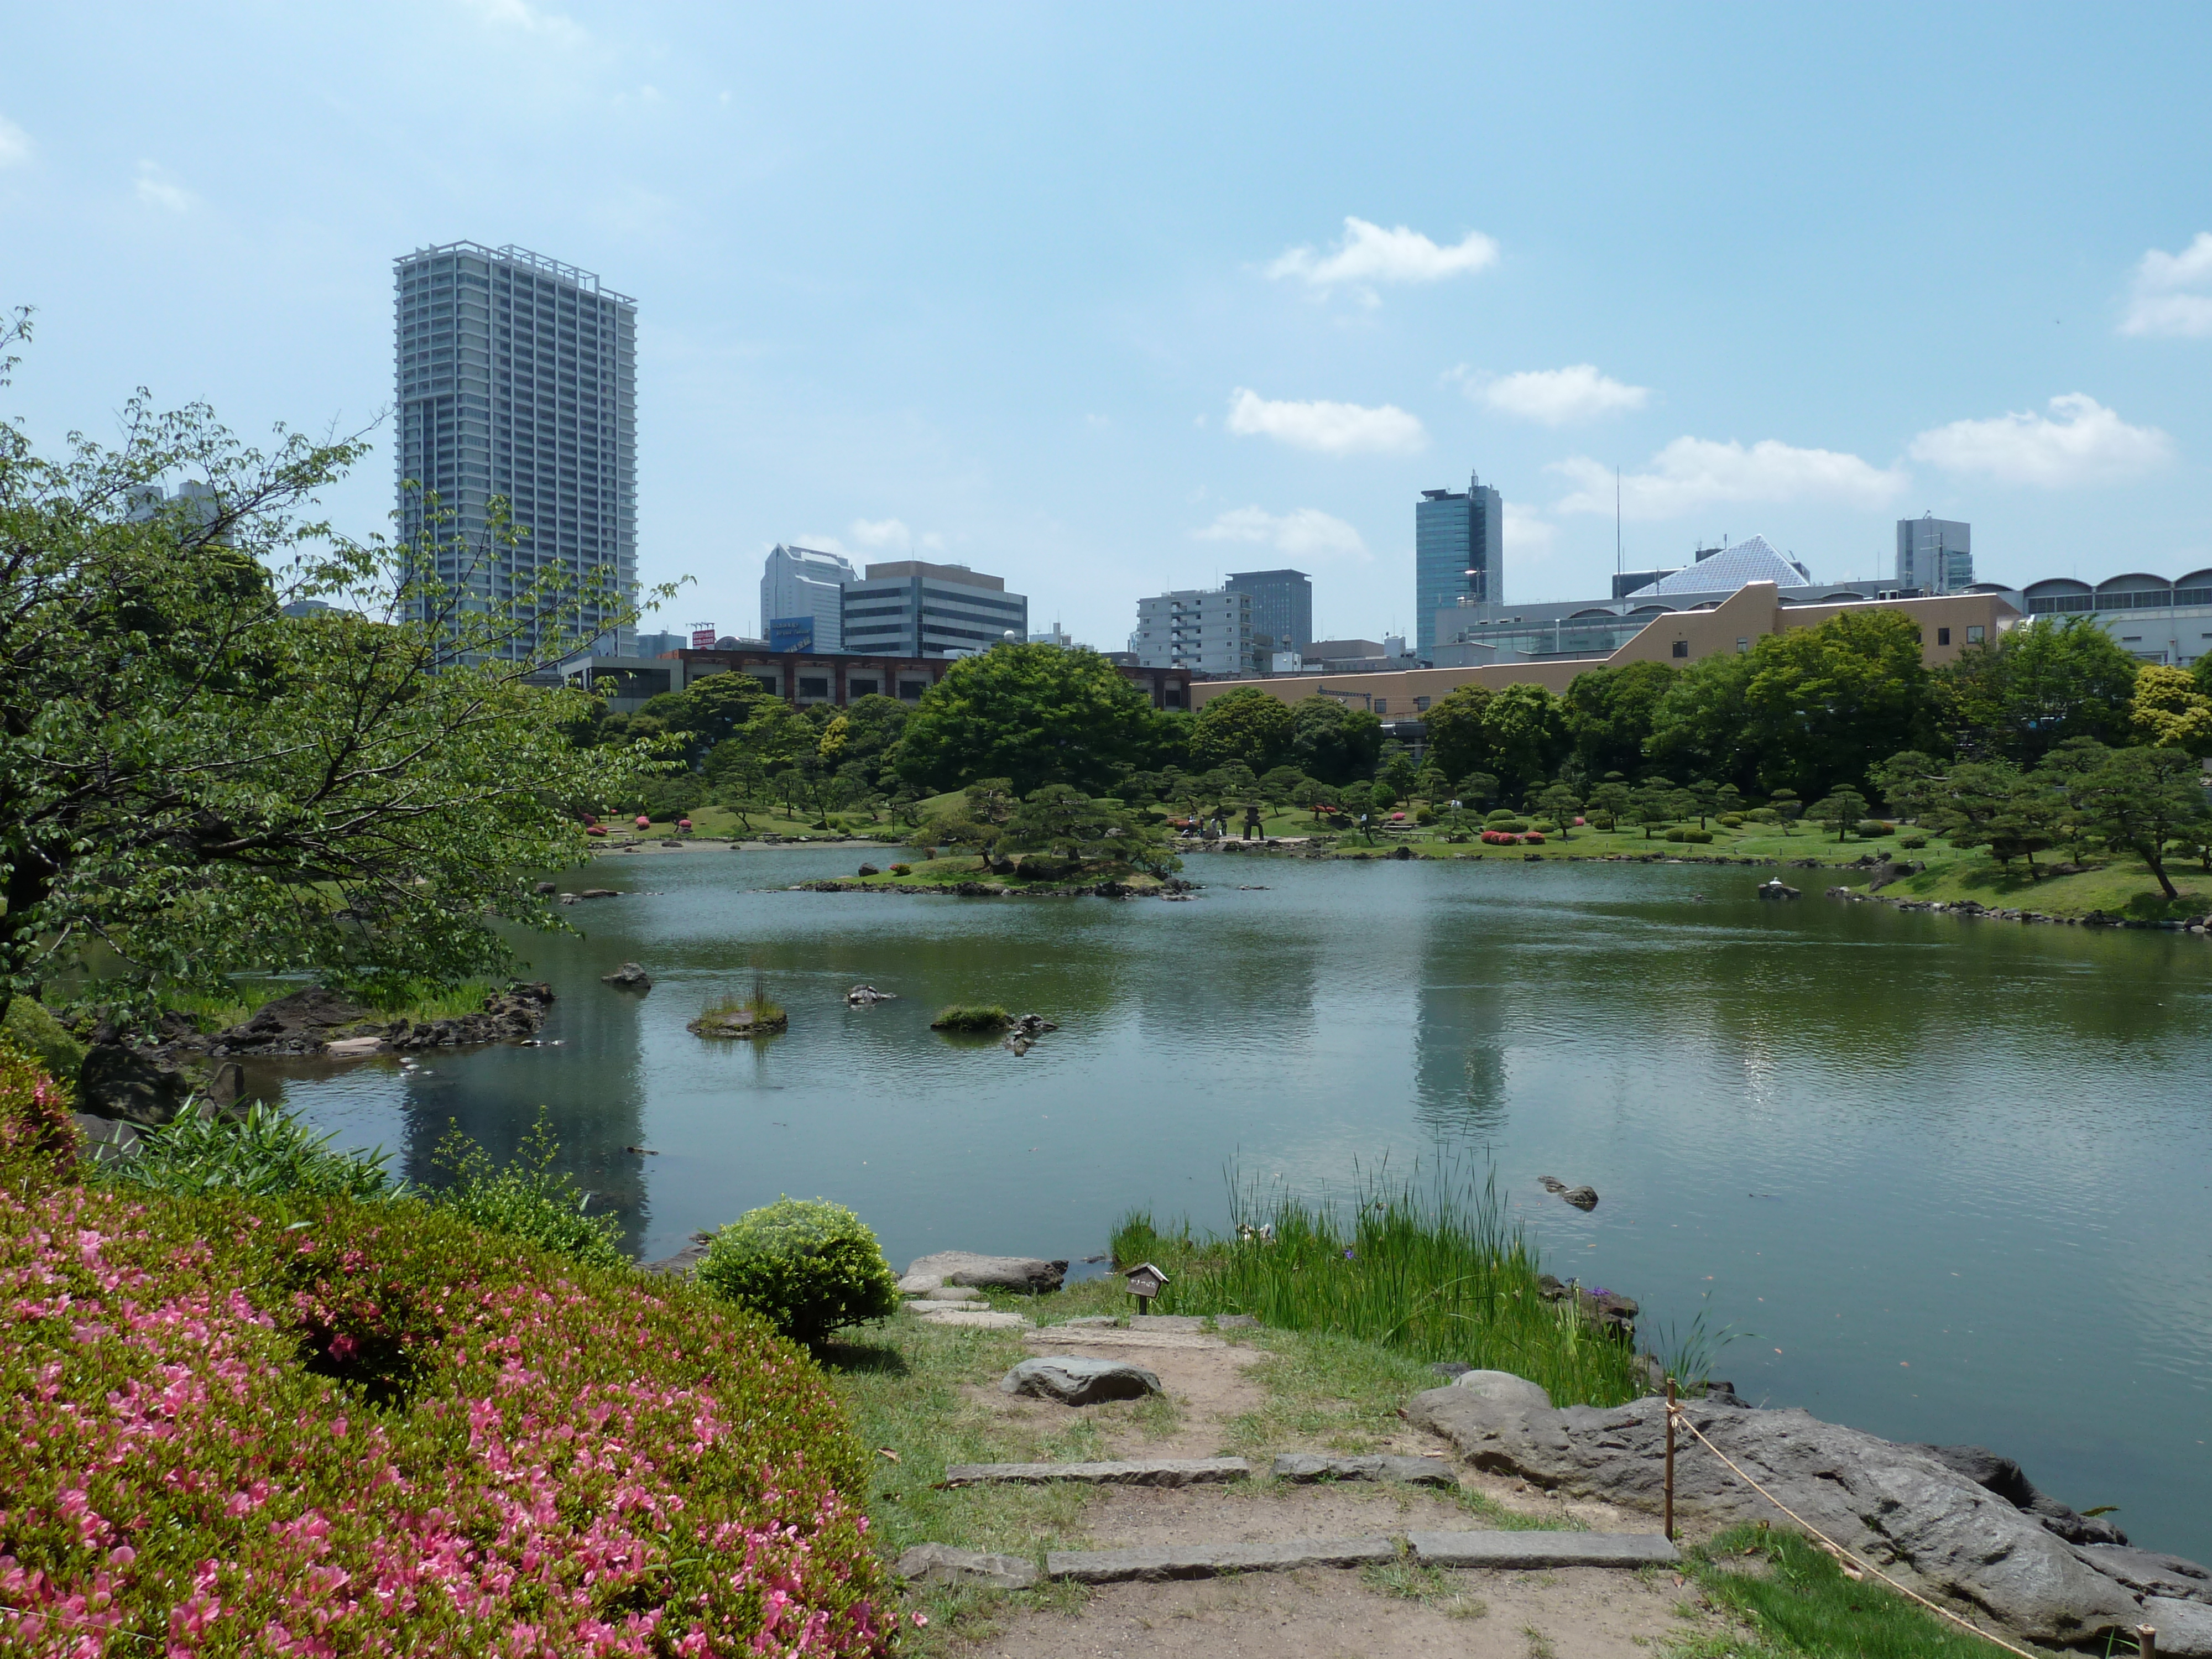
1207	631
802	582
908	608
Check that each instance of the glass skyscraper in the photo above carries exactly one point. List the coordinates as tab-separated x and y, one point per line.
1282	605
1458	553
518	377
1935	555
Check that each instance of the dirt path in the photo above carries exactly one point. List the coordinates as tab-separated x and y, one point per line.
1215	1404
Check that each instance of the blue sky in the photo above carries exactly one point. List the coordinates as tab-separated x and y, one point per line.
1109	299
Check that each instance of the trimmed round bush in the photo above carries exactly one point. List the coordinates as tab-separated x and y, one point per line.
1867	828
1509	825
806	1266
1730	820
1690	832
1912	843
901	869
1426	815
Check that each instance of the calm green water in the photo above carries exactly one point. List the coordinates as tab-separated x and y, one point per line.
1954	1174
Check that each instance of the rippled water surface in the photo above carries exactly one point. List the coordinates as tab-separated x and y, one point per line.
1953	1175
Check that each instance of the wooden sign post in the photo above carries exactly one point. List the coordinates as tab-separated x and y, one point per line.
1146	1281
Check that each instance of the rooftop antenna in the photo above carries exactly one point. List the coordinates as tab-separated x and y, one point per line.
1616	523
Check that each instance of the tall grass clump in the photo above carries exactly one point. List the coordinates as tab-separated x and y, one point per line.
527	1199
1433	1271
963	1017
267	1155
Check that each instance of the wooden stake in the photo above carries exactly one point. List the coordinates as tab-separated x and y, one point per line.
1670	1459
2147	1641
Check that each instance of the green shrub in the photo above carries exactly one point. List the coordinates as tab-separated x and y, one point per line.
35	1126
521	1448
1600	820
807	1267
901	869
1689	832
1912	843
1426	815
270	1155
1730	820
1496	817
35	1031
1508	825
1869	828
526	1199
1546	827
1763	815
962	1017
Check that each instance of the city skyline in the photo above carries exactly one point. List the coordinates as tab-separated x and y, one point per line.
908	336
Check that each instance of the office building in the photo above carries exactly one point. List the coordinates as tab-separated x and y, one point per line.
838	679
517	377
1935	555
1282	605
802	597
1207	631
910	609
1459	555
658	645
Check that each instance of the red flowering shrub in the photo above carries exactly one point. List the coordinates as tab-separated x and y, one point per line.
34	1113
240	1427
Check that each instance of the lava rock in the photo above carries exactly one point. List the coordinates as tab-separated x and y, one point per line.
1075	1382
627	977
868	870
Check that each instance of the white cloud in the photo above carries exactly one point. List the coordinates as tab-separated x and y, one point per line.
1304	533
155	190
1527	536
1691	473
2087	444
2173	292
15	144
1332	428
522	16
886	535
1557	397
1370	254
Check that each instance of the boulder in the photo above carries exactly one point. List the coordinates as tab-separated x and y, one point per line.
862	996
1777	889
1001	1272
941	1563
1503	1390
132	1085
546	887
868	870
2008	1481
627	977
1401	852
1583	1198
1902	1508
597	892
1079	1381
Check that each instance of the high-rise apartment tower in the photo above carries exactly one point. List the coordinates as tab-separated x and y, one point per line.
1459	555
1935	555
1282	605
910	609
518	377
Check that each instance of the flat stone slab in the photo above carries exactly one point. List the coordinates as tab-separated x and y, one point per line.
1303	1466
1136	1472
1004	1273
1106	1337
1155	1564
1544	1549
976	1321
1192	1322
941	1563
1074	1381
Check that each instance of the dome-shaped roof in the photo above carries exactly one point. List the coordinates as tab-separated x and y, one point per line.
1752	560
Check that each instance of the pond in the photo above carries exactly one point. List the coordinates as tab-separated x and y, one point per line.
1946	1179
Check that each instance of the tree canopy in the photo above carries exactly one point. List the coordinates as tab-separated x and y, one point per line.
202	784
1033	714
1245	724
2019	696
1609	713
1333	743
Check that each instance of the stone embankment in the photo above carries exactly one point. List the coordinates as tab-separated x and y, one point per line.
1173	887
2199	924
1959	1524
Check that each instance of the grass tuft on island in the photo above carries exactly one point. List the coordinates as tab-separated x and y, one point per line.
967	1017
1435	1273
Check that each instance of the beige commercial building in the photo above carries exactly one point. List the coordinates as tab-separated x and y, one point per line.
1948	625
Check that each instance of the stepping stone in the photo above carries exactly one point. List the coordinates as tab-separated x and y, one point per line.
1004	1273
1089	1321
1106	1337
1140	1472
1079	1381
953	1293
1303	1467
974	1320
1154	1564
1192	1322
1544	1549
941	1563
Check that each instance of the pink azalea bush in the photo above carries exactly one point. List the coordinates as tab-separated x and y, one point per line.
245	1427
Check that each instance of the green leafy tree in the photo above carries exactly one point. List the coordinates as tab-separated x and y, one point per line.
1247	725
194	783
1479	787
1728	798
1397	769
1787	807
1652	803
1033	714
1281	785
1526	734
1698	724
1612	800
1610	714
1825	704
1561	804
1839	808
1457	742
1333	743
2019	696
2169	712
1705	797
2141	799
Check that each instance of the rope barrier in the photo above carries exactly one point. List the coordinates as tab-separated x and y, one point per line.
1676	1413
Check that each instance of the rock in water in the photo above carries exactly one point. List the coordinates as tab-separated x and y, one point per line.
1001	1273
1079	1381
122	1083
861	996
627	977
1779	889
1583	1198
738	1022
1551	1184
